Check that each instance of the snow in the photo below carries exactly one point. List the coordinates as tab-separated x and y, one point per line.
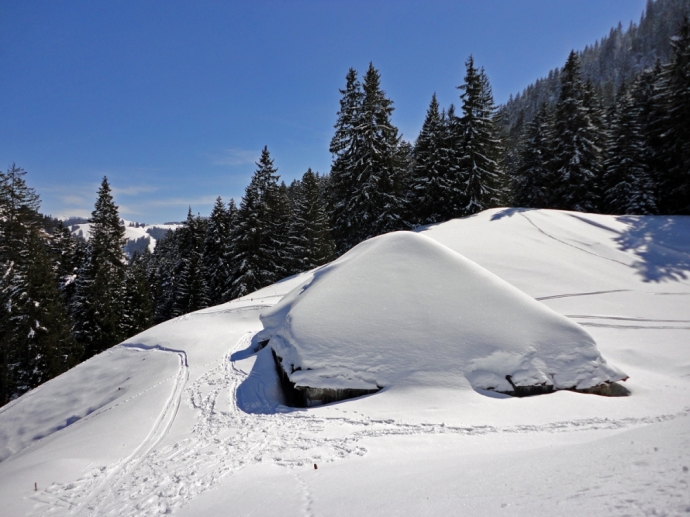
132	233
186	418
402	309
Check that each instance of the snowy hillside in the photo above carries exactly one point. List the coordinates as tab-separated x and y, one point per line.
138	235
187	418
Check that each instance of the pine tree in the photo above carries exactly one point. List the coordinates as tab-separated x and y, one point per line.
369	171
674	101
591	100
312	243
346	147
162	278
627	182
138	302
650	114
434	192
254	246
98	303
480	145
35	343
49	347
217	252
68	254
190	291
279	241
576	159
514	142
533	181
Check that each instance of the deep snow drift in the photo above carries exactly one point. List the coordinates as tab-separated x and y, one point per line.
187	418
402	309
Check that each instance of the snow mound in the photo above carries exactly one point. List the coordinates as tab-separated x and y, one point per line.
403	310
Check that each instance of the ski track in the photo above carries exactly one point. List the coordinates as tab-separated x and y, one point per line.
622	318
94	490
642	327
570	295
572	245
643	323
155	480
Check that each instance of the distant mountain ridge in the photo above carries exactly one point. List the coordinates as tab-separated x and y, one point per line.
611	61
139	235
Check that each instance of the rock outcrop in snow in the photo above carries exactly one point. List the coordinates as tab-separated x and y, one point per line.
402	309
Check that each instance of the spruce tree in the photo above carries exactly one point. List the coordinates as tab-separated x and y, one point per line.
217	252
480	169
369	171
254	251
68	255
533	181
35	343
49	347
190	291
98	303
312	243
346	147
650	113
674	101
434	191
591	100
162	277
138	302
279	242
576	159
628	187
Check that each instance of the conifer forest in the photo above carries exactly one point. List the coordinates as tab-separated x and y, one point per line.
609	132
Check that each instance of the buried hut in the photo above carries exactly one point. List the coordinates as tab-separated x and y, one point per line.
401	309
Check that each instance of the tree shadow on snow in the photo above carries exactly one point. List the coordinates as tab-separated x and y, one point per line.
510	212
662	244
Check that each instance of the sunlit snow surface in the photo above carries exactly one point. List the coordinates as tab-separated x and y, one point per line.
402	310
149	233
186	419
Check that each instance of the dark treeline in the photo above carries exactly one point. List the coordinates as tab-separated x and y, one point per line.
629	157
613	60
64	299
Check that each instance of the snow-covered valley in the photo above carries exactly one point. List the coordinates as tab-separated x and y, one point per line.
187	418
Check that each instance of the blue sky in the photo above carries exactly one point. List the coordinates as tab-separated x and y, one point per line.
174	100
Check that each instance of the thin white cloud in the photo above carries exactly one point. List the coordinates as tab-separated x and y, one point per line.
79	200
235	156
133	190
73	199
127	209
183	201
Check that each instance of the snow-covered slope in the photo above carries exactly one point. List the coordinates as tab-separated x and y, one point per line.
187	419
